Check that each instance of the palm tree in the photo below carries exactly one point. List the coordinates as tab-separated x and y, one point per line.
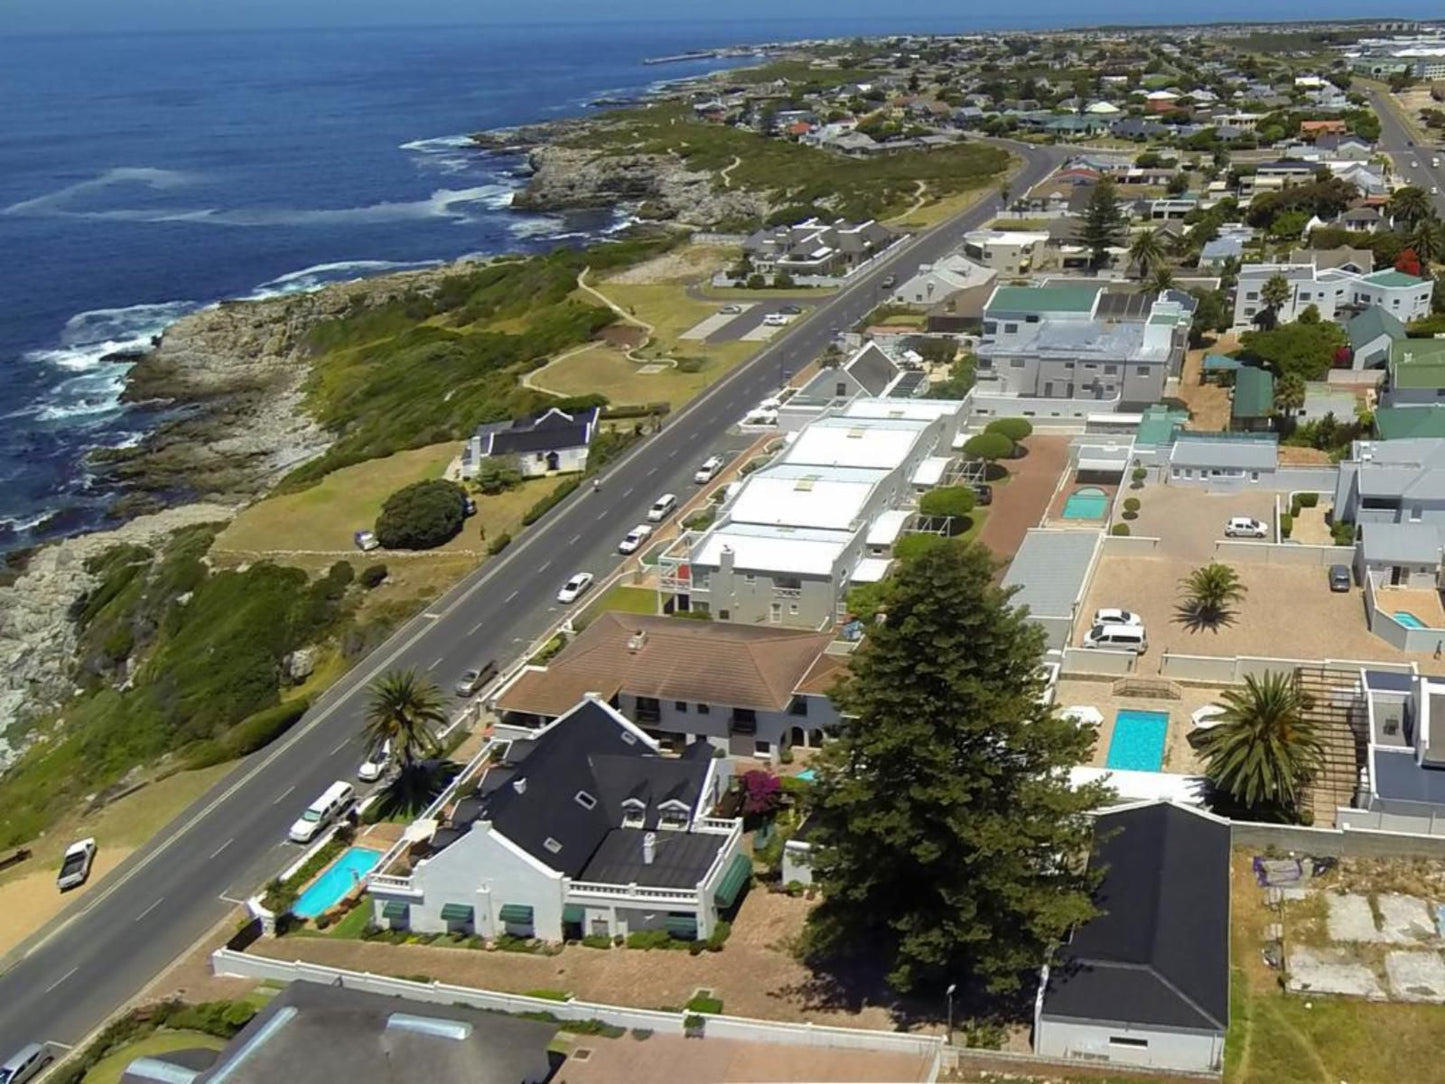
1428	240
1264	749
1289	392
1162	279
1146	252
1273	295
1410	205
405	710
1209	592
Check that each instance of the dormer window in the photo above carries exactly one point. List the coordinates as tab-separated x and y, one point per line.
634	813
673	814
585	800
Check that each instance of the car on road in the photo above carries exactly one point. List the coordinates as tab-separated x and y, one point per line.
334	801
1340	579
661	508
1414	165
1118	638
473	680
790	310
775	319
889	281
635	538
1110	616
1434	190
1434	161
730	310
982	494
575	588
75	866
25	1064
708	471
375	764
1245	527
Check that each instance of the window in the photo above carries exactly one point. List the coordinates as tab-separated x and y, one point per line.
792	608
672	815
1124	1040
1031	319
551	845
1016	363
990	328
840	388
585	800
629	737
1141	370
750	578
745	721
1009	329
724	615
1252	296
762	748
704	709
634	813
799	706
680	706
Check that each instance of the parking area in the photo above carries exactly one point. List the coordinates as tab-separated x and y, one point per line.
751	325
1189	521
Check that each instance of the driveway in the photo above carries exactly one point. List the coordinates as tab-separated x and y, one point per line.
1188	521
1021	503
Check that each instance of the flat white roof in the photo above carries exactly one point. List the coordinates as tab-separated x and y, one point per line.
914	409
870	570
930	471
801	496
774	549
1144	786
887	527
883	444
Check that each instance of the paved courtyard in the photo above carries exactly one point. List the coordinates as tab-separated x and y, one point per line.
1179	755
1189	520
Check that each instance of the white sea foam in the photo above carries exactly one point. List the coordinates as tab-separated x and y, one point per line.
323	274
438	144
21	523
532	226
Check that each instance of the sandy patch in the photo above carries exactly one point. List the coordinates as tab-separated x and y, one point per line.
688	264
30	901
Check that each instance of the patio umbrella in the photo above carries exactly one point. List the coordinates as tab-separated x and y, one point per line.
1208	716
1084	715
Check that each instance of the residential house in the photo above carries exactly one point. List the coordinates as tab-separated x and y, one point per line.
1363	175
1216	253
1410	422
1372	334
1138	128
1146	982
1078	342
1345	148
1394	491
1362	219
747	690
313	1032
869	371
935	281
552	441
1049	576
1403	784
1223	462
1415	373
1337	293
1007	252
1358	261
813	248
584	828
1251	406
1313	129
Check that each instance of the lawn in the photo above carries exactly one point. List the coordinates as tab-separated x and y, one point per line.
624	599
742	293
109	1069
940	210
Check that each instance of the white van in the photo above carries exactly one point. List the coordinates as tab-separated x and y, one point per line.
1118	638
320	813
662	508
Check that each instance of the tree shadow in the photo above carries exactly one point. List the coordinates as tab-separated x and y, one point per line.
1200	618
409	792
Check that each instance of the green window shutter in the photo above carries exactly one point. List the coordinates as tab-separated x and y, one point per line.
456	912
516	914
739	873
682	926
574	912
394	909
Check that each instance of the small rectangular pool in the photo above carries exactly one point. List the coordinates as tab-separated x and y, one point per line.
336	881
1138	741
1409	620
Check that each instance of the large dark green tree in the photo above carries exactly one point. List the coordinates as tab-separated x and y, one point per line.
1264	749
1103	222
947	832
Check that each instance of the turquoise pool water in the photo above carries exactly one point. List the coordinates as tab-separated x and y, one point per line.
807	775
1409	620
1091	502
336	881
1138	741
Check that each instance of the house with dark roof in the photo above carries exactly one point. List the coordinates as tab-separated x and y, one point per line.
747	690
1404	787
869	371
1372	333
585	828
313	1033
1251	406
816	248
554	441
1146	982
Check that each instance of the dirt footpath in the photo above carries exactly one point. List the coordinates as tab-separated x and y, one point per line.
1021	504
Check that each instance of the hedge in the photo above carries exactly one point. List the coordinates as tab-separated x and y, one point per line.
635	410
1307	500
550	501
1286	525
421	516
251	733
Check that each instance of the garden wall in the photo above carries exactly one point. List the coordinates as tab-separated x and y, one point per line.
1280	553
1130	545
1083	660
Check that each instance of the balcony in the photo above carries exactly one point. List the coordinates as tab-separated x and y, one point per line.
787	592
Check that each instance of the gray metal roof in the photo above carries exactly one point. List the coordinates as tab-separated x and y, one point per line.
1398	776
1401	543
1049	570
1225	454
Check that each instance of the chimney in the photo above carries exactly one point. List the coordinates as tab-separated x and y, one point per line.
636	641
649	847
520	785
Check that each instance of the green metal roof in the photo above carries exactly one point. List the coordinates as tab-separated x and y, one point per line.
1253	393
515	914
1371	324
1398	423
573	912
1159	424
1044	299
1220	363
739	873
393	909
1417	363
457	912
1392	278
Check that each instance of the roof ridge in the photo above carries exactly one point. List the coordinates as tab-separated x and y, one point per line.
1125	965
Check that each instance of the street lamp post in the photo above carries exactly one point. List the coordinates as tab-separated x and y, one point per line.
952	986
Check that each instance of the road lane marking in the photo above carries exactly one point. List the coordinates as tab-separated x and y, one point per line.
59	1045
435	663
431	616
473	630
231	900
652	472
543	568
673	454
153	906
62	978
629	492
513	595
283	794
222	847
575	539
342	744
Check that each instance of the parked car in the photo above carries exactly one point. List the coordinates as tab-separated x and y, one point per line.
1245	527
775	319
790	310
1118	638
1110	616
75	866
366	541
890	281
335	801
25	1064
635	538
661	508
1340	578
983	493
708	471
469	506
375	764
574	588
730	310
471	681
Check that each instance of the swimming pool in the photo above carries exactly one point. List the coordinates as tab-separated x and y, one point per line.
338	879
807	775
1090	502
1138	741
1409	620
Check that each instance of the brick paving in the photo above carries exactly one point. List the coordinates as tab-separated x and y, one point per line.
1021	503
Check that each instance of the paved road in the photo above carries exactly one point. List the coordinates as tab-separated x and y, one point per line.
168	894
1412	163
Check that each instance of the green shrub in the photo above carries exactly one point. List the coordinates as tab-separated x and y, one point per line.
1307	500
703	1003
1120	529
597	940
1016	429
421	516
1295	506
956	501
719	936
914	545
498	544
1131	504
691	365
1286	525
550	501
496	476
653	939
752	465
373	576
549	995
701	519
1343	533
1138	474
989	446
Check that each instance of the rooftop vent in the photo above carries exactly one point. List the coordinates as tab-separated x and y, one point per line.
520	785
649	847
456	1030
637	641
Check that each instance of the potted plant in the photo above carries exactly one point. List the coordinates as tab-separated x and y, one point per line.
693	1025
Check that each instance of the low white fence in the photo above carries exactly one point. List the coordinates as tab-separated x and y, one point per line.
229	962
1366	377
1280	553
1357	838
1130	545
705	238
1042	411
1233	669
1083	660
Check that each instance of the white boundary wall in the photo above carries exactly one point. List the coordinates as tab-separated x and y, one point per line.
228	962
1130	545
1084	660
1281	553
1232	669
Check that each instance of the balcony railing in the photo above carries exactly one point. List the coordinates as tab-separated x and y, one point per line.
578	890
392	885
787	592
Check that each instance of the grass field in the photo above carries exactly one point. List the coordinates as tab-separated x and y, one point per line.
624	599
110	1069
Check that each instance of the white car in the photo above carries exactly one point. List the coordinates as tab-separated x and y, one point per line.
730	310
775	319
708	471
375	765
574	588
75	866
661	508
1110	616
1245	527
635	538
